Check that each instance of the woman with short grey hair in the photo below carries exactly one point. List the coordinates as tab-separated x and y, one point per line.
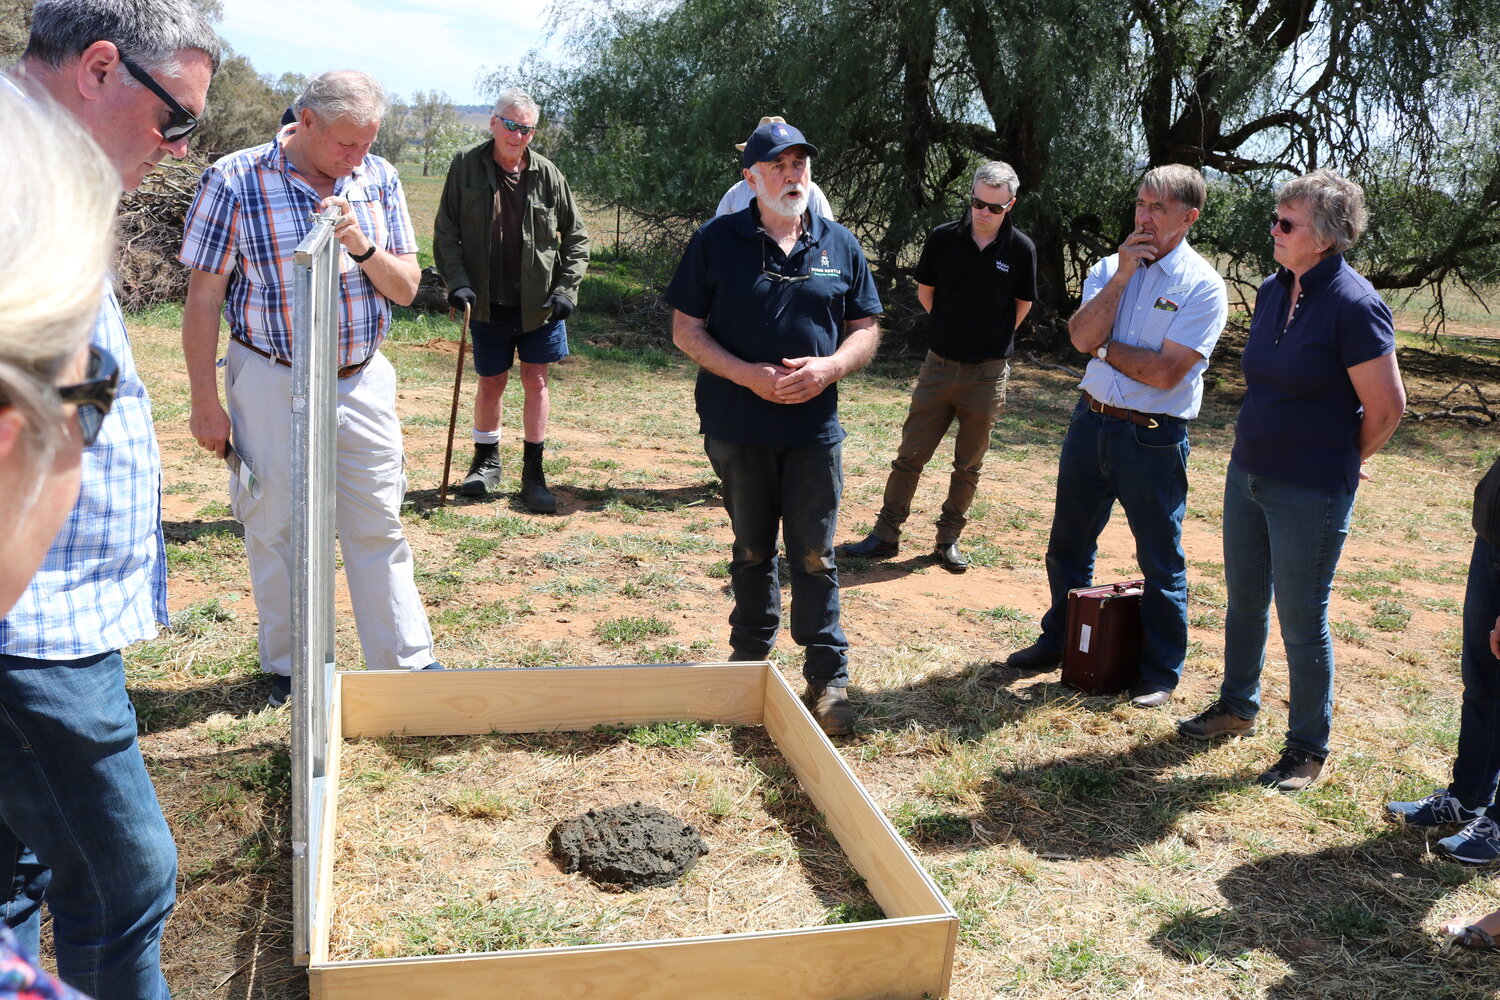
57	198
1322	394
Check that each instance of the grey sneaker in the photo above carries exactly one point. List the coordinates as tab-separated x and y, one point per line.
1438	809
281	691
831	707
1213	721
1293	772
1476	844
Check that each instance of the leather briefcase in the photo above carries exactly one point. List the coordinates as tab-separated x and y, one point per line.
1103	651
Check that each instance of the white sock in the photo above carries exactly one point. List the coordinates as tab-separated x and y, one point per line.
486	437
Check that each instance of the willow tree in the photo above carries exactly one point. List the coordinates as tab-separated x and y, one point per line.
906	97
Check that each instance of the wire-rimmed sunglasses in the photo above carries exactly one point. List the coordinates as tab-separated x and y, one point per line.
95	395
183	122
776	277
511	126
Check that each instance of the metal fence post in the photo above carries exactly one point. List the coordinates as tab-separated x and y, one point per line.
315	334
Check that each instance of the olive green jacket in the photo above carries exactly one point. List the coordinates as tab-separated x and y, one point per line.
554	248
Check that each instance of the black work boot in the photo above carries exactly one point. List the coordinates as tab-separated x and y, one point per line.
484	471
534	492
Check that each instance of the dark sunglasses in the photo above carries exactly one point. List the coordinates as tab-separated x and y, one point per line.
776	277
1000	209
1285	225
95	394
511	126
182	122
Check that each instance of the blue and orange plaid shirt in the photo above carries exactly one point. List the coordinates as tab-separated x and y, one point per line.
251	211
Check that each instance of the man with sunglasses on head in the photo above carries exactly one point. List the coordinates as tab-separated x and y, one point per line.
776	304
511	245
1150	317
977	279
80	827
252	209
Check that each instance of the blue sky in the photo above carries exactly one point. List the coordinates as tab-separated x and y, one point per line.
408	44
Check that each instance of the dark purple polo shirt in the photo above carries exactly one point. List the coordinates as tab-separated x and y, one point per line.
1301	416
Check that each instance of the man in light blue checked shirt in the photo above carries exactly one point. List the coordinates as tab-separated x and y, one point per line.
80	827
251	211
1150	317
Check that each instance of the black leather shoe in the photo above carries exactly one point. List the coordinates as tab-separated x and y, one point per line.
948	557
1034	657
873	547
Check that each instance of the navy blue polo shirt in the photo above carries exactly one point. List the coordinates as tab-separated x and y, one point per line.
1301	416
974	295
720	279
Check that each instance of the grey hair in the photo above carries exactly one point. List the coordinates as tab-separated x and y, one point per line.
1178	182
149	31
1337	206
998	173
517	99
56	239
344	93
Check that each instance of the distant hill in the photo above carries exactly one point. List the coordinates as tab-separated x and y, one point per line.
477	115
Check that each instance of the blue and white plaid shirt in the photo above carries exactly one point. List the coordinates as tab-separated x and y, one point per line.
103	584
250	213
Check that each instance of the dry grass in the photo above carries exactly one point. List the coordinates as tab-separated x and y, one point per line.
443	842
1088	852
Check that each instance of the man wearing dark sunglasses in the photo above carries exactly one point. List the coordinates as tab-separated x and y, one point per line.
511	245
977	279
776	304
80	828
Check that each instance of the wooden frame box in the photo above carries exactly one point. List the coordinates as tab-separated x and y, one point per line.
906	955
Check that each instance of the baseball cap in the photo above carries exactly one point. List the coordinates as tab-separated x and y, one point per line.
768	141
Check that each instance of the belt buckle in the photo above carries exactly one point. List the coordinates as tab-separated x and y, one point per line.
1152	425
1095	406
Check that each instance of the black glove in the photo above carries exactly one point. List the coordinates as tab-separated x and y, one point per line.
561	307
463	296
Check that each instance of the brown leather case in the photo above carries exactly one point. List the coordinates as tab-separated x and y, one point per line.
1103	651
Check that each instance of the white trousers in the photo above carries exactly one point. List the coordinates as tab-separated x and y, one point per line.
388	612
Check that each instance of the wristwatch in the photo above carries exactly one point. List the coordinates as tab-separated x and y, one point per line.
360	258
1103	352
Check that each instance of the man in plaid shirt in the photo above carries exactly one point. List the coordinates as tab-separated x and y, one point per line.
251	211
80	827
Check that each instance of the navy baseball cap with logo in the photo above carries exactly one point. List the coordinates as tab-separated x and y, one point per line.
769	140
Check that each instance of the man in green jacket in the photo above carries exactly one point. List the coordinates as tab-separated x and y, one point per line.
511	245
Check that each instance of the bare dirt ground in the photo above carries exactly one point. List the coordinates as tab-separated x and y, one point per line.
1087	851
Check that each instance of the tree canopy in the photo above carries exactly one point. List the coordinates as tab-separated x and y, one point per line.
906	97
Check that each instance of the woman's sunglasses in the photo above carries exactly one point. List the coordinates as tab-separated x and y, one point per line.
95	394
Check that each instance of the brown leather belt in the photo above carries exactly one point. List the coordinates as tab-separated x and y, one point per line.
344	372
1134	416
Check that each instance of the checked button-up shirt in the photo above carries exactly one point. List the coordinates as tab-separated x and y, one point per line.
251	211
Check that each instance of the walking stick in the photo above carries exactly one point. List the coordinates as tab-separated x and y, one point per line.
458	381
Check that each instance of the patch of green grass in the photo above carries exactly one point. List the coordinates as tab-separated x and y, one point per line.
487	614
1390	616
622	631
925	823
998	614
1078	782
474	925
481	803
666	734
853	913
1076	961
201	619
213	510
1349	632
1348	920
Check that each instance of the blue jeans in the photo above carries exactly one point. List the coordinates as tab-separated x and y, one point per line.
1282	539
80	826
1104	459
1476	769
797	489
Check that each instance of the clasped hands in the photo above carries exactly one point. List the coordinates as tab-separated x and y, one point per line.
795	380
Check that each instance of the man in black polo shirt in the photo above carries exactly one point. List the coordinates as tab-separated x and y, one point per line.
977	280
776	304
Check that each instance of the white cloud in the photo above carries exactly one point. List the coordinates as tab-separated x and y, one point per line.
408	44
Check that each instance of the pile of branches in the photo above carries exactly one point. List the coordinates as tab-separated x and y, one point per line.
147	271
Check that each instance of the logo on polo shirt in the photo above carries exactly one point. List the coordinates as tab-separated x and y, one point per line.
823	270
1000	265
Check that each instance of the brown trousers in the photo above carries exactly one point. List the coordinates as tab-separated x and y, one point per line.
974	394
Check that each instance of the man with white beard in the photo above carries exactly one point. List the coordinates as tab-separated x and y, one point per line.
777	304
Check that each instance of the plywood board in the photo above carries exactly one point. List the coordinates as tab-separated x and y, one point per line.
907	955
